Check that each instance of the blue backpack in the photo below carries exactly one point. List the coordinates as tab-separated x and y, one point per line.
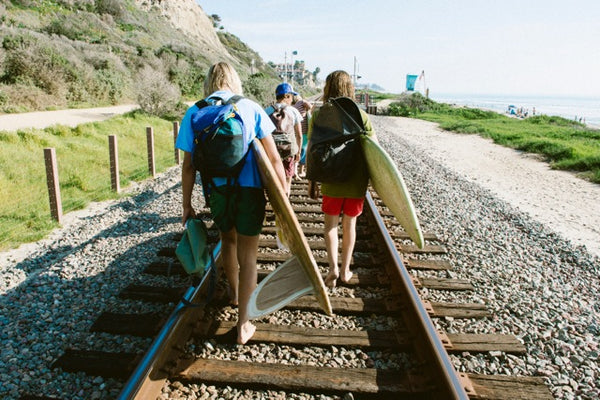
219	141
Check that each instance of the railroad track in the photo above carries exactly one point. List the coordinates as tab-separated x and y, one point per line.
381	343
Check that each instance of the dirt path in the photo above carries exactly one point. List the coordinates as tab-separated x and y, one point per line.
567	204
43	119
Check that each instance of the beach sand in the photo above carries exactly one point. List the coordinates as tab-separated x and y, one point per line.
560	200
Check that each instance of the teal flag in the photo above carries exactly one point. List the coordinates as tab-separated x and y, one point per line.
410	82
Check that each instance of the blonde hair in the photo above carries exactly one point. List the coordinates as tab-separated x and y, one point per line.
338	83
222	76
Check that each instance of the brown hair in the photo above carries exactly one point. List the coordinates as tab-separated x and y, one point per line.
222	76
338	83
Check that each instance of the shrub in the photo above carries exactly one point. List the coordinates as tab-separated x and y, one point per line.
260	88
41	66
23	98
475	113
410	105
112	7
463	127
552	120
155	94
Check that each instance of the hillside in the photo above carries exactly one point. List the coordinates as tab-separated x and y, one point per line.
81	53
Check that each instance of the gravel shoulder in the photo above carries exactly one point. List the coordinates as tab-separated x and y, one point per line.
558	199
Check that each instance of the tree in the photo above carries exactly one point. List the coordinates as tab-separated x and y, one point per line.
216	20
316	72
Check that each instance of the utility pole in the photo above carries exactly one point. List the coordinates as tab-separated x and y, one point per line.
285	67
294	53
355	66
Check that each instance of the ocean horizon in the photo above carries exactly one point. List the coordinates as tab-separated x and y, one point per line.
569	107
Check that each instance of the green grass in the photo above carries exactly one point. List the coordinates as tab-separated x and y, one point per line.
566	145
83	169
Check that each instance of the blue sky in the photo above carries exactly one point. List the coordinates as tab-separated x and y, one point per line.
535	47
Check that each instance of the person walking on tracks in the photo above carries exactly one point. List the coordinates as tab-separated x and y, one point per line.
288	132
305	108
345	198
236	199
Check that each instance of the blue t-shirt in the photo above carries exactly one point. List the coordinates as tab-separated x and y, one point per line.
256	124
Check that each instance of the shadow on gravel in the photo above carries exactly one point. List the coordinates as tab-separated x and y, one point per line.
68	286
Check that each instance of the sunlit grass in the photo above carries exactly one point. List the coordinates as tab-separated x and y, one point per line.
566	144
83	169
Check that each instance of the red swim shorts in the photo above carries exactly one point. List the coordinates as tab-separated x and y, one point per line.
289	166
337	205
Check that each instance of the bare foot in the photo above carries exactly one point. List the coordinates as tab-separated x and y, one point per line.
331	278
346	276
245	332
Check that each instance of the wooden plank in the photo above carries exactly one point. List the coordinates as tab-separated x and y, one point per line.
308	230
363	260
400	234
347	305
445	284
459	310
302	378
170	268
156	294
315	209
225	332
485	342
362	279
503	387
98	363
427	264
427	249
361	245
144	325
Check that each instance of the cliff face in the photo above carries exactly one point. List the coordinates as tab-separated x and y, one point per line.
191	20
100	49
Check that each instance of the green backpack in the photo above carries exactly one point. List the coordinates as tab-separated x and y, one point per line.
334	149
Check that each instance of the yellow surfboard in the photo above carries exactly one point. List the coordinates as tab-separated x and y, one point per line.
389	185
297	276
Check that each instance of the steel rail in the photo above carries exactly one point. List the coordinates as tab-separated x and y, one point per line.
420	323
144	378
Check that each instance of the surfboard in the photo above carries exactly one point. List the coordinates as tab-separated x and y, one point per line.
297	276
389	185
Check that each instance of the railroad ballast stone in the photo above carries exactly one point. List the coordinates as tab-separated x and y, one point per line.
538	286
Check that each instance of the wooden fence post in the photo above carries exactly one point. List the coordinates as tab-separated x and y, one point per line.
115	182
53	185
175	132
150	142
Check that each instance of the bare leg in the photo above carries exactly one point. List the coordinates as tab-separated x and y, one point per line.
288	188
331	243
247	253
230	263
348	241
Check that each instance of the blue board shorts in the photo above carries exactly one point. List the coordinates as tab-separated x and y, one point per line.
242	208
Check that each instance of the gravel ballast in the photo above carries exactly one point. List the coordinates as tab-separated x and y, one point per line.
538	285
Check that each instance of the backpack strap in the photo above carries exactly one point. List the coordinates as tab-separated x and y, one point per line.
341	103
232	100
201	103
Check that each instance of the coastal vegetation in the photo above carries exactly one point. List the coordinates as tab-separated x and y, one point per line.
57	54
565	144
83	169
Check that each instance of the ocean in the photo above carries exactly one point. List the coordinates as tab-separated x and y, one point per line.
587	108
